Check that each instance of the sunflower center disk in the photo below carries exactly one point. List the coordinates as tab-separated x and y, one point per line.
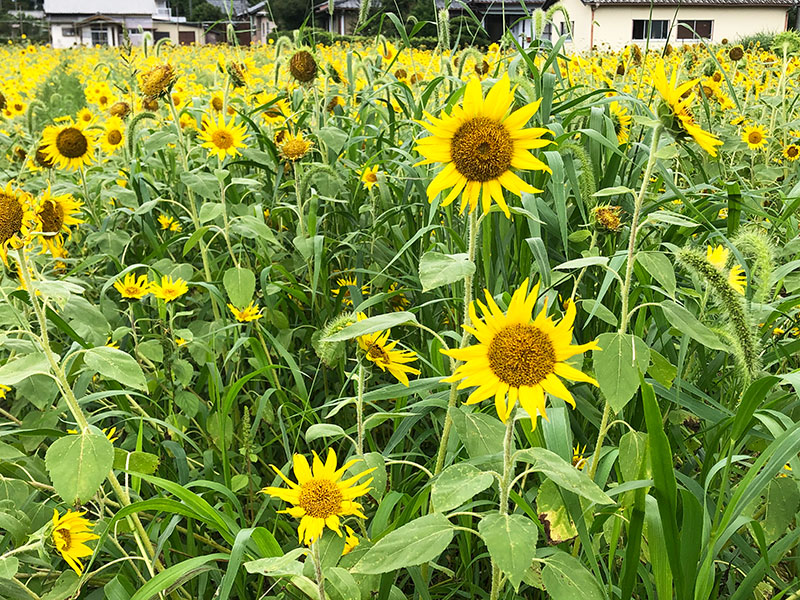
222	139
521	355
66	539
10	218
72	143
216	104
52	217
377	353
481	149
321	498
114	137
754	137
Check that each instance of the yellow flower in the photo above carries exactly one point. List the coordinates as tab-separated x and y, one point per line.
68	146
131	287
737	278
180	341
344	288
169	223
4	389
350	540
17	219
156	81
370	177
222	139
294	147
621	120
380	351
791	152
398	302
755	136
677	109
578	461
113	135
480	143
251	313
169	290
55	215
718	257
70	533
517	357
320	496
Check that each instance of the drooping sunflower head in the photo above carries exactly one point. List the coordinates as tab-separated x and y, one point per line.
113	135
56	213
69	533
120	109
621	121
519	357
675	109
755	137
320	497
157	81
294	147
479	143
303	66
17	219
69	145
222	139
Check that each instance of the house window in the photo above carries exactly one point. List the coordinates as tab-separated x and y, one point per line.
68	31
566	31
99	36
644	29
694	29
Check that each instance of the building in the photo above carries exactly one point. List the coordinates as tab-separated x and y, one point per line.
105	23
252	23
614	24
342	19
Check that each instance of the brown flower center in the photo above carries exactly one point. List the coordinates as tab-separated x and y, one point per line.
377	353
66	539
302	66
51	216
521	355
72	143
216	103
792	151
754	137
222	139
114	137
11	215
481	149
320	498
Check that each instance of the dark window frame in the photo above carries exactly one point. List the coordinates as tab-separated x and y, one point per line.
653	29
695	29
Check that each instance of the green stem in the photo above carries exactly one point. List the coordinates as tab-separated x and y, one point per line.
505	491
451	402
360	409
318	570
626	284
227	229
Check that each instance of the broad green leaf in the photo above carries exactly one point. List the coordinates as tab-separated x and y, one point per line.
8	567
415	543
323	430
138	462
78	465
598	309
240	283
457	484
64	587
782	502
511	541
116	365
341	585
210	211
660	268
687	323
23	367
563	473
661	369
334	138
613	191
371	325
203	184
565	578
481	434
553	515
436	269
617	366
671	218
633	456
580	263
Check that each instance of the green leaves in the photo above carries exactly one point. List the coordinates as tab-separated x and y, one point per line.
457	484
437	269
563	473
565	578
687	323
618	366
511	541
78	465
116	365
415	543
23	367
240	283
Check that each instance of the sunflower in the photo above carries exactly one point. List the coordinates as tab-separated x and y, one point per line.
303	66
519	358
320	496
68	146
156	81
398	301
17	219
294	147
120	109
622	122
755	136
718	257
70	533
379	350
791	152
350	540
55	215
251	313
221	138
169	289
578	460
676	109
370	177
344	284
169	223
480	144
85	116
113	135
131	287
4	389
217	101
277	111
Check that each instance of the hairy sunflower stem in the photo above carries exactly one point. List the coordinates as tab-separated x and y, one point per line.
227	229
451	402
505	491
626	284
360	409
318	569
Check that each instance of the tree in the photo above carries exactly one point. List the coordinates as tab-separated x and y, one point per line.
290	14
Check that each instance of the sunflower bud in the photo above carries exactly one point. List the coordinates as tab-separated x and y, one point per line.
303	66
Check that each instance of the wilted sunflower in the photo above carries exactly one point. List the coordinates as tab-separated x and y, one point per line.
380	351
156	81
251	313
17	219
55	215
621	120
113	135
480	143
70	534
294	147
755	136
169	289
120	109
303	66
131	287
718	257
676	113
222	139
320	496
519	358
69	146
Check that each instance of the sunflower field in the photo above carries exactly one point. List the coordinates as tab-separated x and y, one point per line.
374	322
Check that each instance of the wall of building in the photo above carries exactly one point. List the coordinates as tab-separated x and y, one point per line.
175	29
